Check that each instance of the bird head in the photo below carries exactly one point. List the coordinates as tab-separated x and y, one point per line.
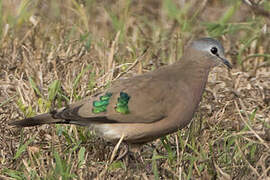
210	48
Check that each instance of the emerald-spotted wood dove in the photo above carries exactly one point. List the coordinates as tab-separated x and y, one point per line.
144	107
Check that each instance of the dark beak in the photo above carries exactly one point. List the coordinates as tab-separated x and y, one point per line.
226	62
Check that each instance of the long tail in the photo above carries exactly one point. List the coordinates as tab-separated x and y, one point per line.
38	120
49	118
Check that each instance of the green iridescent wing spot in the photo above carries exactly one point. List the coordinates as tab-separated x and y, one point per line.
124	96
106	97
97	110
122	103
101	105
122	109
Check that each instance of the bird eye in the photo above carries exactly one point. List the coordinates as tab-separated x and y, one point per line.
214	50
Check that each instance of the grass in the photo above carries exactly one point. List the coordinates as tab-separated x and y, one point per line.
54	53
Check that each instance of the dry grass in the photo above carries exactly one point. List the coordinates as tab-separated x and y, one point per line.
56	52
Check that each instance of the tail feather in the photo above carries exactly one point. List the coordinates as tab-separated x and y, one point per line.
38	120
63	116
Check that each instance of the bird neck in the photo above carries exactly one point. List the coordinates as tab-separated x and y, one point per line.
195	75
199	79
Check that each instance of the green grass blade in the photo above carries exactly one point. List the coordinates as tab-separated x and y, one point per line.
54	89
34	87
22	148
154	165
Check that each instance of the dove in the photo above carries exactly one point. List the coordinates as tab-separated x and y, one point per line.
144	107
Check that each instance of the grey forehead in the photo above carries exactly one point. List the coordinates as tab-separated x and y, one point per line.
207	43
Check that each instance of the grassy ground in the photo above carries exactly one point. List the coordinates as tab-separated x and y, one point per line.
56	52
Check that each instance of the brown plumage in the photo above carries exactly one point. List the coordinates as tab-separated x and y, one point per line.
152	105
